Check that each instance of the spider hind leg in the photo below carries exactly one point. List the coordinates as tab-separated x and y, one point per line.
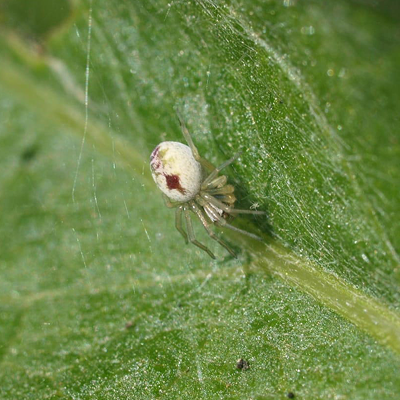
178	223
210	232
192	237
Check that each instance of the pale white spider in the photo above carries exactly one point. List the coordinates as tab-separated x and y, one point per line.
191	183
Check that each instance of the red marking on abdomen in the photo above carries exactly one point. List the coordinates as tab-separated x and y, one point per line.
173	182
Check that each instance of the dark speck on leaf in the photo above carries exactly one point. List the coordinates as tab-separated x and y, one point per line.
29	154
242	364
290	395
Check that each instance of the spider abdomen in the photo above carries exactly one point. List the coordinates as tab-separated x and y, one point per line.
175	171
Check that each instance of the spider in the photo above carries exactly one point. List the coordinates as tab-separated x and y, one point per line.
190	183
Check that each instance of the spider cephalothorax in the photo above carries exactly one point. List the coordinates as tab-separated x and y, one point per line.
191	183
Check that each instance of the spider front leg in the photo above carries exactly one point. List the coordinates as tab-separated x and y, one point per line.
192	237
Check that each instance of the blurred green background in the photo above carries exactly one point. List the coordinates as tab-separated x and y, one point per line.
99	296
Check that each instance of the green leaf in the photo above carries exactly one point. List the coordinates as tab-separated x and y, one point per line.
100	297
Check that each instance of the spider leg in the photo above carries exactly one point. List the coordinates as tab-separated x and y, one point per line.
226	189
217	183
220	221
192	237
217	170
178	223
223	223
206	164
228	199
212	234
215	202
169	203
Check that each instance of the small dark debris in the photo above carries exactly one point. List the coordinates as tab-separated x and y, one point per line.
290	395
242	364
129	325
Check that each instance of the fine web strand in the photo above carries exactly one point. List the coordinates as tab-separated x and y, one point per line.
87	75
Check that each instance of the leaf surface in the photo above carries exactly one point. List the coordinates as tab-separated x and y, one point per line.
100	297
